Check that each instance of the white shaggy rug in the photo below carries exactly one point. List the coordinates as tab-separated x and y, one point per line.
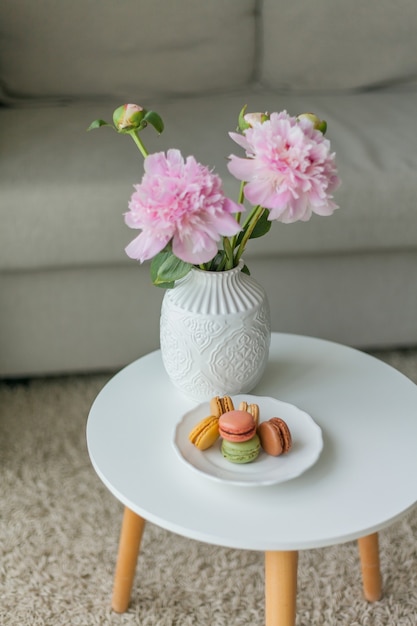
59	530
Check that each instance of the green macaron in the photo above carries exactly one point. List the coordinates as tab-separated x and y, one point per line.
241	452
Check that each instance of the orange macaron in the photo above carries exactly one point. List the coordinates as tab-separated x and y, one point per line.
219	405
275	436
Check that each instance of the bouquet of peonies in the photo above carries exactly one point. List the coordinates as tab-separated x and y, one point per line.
287	173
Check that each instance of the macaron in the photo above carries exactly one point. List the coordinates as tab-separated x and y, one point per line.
218	405
241	452
275	436
237	426
253	409
205	433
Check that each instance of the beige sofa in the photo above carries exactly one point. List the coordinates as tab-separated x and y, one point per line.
70	299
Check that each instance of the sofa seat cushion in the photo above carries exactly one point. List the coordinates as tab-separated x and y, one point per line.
64	191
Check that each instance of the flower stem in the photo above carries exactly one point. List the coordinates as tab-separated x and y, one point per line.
240	200
248	228
238	215
253	214
227	246
139	143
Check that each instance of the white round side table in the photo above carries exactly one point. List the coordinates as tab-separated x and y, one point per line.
363	480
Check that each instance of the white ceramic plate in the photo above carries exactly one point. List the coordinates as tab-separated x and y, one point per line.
266	469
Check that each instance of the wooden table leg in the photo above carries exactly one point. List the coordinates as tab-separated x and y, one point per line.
280	588
371	573
129	544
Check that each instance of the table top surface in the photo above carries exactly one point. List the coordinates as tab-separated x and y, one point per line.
363	480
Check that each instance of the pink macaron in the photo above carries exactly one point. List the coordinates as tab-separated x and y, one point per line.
237	426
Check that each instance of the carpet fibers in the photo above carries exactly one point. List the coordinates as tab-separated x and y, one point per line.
59	530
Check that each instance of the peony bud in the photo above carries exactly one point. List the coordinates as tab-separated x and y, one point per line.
128	117
252	118
319	124
248	120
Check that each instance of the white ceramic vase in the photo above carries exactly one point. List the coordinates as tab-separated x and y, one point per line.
215	333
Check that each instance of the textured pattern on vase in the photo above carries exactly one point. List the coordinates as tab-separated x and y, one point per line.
224	348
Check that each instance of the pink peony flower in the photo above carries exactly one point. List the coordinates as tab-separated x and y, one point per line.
289	168
180	200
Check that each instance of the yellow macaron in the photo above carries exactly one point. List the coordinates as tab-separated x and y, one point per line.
205	433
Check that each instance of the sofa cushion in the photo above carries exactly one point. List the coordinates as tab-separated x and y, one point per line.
328	45
125	48
64	191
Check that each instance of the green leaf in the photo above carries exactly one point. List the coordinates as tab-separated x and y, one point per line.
245	270
218	261
239	239
263	226
155	120
98	124
165	285
243	125
166	268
